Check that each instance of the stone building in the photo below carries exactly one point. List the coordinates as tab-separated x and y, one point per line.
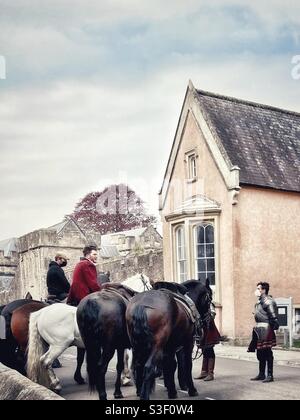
132	241
230	203
127	253
31	254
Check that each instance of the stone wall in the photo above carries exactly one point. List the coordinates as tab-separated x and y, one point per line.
8	275
150	264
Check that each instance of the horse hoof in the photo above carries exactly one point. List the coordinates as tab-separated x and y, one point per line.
193	393
173	396
57	389
126	382
79	380
118	396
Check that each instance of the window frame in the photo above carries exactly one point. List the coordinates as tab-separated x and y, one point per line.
179	259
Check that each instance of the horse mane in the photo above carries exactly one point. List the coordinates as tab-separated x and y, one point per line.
172	286
118	286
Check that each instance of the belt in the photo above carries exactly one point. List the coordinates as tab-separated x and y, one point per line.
262	324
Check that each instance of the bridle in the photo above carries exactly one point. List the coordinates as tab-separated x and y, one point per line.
146	287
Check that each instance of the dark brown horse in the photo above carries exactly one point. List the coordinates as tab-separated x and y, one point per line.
158	327
101	321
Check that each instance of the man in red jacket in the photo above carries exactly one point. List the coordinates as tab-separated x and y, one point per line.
84	277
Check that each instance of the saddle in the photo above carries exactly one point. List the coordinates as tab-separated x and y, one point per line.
178	291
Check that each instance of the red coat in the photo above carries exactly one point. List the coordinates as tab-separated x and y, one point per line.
84	282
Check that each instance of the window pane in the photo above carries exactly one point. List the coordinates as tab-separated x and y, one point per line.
181	253
179	237
209	234
202	277
211	264
210	251
212	279
202	265
201	251
200	235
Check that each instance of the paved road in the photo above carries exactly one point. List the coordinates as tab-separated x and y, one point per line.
231	383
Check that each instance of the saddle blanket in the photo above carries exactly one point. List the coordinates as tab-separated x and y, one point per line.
2	328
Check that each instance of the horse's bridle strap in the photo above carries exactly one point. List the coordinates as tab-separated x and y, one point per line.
117	293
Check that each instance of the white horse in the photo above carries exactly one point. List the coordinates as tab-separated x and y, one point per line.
55	326
54	329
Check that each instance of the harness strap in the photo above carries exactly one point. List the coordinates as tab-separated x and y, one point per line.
186	308
117	293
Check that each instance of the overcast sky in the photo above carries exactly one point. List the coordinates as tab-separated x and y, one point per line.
94	89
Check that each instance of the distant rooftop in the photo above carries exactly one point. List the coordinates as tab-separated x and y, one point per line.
8	246
137	233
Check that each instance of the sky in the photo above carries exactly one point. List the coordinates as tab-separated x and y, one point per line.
91	91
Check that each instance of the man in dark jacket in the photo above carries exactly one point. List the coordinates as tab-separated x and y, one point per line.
57	283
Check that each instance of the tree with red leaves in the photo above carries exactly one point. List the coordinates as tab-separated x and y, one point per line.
115	209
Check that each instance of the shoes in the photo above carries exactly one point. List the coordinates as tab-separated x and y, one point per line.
268	379
258	378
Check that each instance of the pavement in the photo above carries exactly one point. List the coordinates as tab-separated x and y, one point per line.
282	357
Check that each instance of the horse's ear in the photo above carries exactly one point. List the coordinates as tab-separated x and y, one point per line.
207	284
28	296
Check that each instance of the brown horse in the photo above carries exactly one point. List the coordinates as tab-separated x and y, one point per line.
9	354
101	321
158	327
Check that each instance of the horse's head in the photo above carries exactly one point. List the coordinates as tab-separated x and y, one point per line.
201	294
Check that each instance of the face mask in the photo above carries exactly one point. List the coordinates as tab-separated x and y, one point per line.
63	264
257	293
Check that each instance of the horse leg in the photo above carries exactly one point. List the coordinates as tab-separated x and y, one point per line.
126	374
150	373
181	370
138	368
80	359
169	366
47	359
120	367
188	363
106	357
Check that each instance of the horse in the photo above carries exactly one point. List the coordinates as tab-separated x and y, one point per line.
51	331
10	354
101	321
159	325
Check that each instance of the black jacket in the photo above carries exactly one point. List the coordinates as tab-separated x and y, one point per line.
57	282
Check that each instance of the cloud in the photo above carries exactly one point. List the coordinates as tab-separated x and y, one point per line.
93	94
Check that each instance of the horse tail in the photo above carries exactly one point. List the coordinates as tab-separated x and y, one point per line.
35	350
92	336
142	343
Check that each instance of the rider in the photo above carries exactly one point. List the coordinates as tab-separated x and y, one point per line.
84	277
57	283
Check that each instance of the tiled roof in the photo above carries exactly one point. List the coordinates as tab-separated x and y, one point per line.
8	246
263	141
